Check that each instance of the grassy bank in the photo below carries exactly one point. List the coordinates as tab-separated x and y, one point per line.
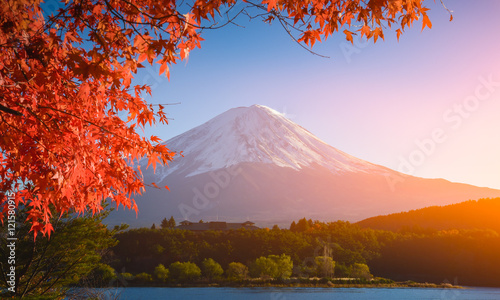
303	283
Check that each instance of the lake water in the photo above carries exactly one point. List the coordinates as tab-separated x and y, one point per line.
305	293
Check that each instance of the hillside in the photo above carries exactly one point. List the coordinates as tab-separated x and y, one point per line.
480	214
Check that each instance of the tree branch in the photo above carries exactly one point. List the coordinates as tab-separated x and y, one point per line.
10	110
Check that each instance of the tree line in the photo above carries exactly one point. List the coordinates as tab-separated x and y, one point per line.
412	253
264	268
141	250
84	252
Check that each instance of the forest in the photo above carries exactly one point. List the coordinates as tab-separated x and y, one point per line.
141	250
427	251
84	252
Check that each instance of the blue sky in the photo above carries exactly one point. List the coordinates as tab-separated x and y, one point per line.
409	105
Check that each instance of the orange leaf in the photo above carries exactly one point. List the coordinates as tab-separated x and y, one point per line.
365	30
164	68
155	139
348	36
376	33
142	58
426	22
271	4
84	91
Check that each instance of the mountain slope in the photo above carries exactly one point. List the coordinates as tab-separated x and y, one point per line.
480	214
253	163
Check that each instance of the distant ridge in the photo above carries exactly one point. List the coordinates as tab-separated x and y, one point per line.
480	214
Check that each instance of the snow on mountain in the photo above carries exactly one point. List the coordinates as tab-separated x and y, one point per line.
255	134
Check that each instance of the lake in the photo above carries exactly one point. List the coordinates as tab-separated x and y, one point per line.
272	293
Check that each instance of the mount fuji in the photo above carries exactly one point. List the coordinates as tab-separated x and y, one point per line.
252	163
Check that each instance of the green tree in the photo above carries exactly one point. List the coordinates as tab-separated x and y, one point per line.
211	269
184	271
284	266
161	273
171	222
153	227
237	271
46	267
126	276
272	266
302	225
341	270
158	249
325	266
360	271
164	224
143	277
102	275
263	267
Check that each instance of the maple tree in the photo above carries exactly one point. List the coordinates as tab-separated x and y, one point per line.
66	82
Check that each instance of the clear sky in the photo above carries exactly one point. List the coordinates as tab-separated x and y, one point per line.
428	105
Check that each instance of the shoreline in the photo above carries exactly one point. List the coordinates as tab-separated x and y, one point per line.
326	285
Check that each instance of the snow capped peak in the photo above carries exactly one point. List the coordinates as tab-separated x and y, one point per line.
265	109
254	134
254	111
